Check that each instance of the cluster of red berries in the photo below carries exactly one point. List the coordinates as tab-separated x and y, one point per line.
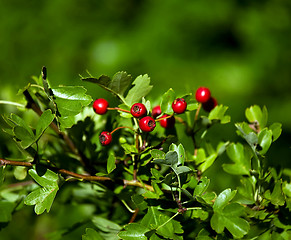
148	123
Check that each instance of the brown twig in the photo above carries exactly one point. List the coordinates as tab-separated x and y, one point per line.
4	162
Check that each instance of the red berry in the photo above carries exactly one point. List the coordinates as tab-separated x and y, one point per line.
210	104
167	122
138	110
147	124
179	105
202	94
156	111
100	106
105	138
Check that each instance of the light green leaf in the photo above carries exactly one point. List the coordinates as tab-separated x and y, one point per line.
167	100
43	123
201	186
223	198
111	163
158	154
256	114
241	158
276	129
15	120
133	231
218	113
70	100
208	162
43	197
106	225
229	218
265	140
140	89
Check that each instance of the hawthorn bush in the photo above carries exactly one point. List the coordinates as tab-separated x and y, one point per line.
126	162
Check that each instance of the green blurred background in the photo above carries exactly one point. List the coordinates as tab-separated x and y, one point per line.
240	49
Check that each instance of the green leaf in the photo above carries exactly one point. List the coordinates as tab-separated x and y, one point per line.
25	137
133	231
91	234
276	129
158	154
180	151
201	186
241	158
139	202
208	162
223	198
255	114
218	113
43	197
191	103
277	196
167	100
111	163
18	121
171	159
6	209
183	170
70	100
118	85
155	220
251	137
265	140
140	89
2	171
43	123
229	217
106	225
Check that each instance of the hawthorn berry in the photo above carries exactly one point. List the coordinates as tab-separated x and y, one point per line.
167	122
105	138
100	106
202	94
147	124
210	104
138	110
179	105
156	111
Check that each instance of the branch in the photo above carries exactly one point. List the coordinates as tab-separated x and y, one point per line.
4	162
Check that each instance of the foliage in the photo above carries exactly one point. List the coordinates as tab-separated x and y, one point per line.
142	185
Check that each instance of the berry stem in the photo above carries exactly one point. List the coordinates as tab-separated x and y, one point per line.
162	118
118	109
121	128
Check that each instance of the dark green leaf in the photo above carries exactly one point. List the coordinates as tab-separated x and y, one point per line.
251	137
183	170
18	121
171	159
118	85
25	137
111	163
91	234
140	89
180	151
43	197
277	196
6	209
106	225
167	100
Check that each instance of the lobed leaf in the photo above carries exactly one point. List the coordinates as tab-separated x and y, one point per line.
256	114
167	100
